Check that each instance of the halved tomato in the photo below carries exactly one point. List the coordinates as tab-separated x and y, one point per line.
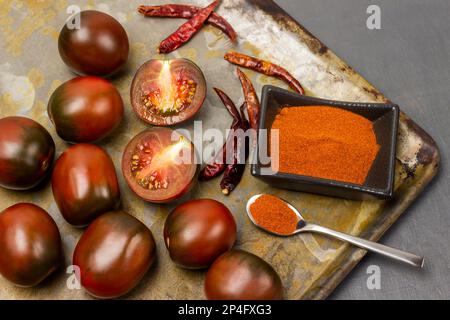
159	165
167	92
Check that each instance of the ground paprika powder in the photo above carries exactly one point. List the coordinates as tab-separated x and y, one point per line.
325	142
273	214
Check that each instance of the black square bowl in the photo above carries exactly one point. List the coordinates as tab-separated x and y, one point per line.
380	180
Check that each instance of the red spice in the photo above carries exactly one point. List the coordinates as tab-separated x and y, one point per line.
274	215
325	142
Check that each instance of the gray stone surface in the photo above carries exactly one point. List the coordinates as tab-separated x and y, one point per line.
408	60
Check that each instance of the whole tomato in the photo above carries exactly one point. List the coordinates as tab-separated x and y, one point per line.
198	231
240	275
84	184
97	46
113	254
85	109
26	153
30	244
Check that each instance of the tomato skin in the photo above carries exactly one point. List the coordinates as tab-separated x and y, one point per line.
85	109
113	254
84	184
30	244
98	47
240	275
198	231
26	153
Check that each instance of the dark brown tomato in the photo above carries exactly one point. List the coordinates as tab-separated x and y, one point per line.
97	46
159	165
85	109
84	184
240	275
198	231
30	244
113	254
167	92
26	153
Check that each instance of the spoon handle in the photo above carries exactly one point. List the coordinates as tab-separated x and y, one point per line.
395	254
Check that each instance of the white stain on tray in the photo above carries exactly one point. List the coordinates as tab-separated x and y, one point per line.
17	89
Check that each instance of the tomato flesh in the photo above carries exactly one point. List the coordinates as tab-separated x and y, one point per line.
159	165
167	92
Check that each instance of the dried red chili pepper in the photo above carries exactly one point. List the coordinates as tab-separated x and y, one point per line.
253	106
187	11
187	30
235	170
217	166
265	67
228	103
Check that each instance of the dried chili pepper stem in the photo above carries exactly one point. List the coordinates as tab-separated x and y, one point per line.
187	11
187	30
264	67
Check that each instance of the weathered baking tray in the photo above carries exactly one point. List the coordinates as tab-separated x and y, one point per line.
310	266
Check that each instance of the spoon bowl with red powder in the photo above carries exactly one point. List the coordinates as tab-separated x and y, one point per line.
280	218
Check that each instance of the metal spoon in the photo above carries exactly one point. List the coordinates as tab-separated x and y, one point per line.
304	226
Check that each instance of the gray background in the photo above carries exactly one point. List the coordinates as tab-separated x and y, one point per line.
408	60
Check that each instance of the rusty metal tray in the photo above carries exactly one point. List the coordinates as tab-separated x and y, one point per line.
310	266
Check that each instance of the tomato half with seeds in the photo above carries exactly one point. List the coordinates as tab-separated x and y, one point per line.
167	92
84	184
160	165
26	153
113	254
30	244
93	43
241	275
198	231
85	109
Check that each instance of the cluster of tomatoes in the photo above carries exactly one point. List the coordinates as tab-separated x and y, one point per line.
116	249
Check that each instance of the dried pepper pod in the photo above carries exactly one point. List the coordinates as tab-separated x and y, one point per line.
218	164
251	99
229	104
264	67
235	170
187	11
187	30
232	149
